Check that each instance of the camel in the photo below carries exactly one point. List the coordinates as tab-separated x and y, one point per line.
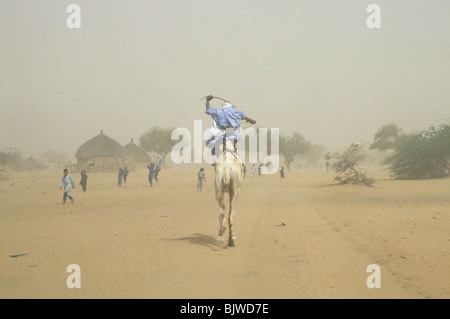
229	177
229	170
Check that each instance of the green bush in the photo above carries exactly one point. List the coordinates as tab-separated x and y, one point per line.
425	155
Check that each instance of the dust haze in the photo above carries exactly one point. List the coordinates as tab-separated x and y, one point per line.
312	67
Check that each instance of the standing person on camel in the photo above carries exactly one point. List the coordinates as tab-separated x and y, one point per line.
226	117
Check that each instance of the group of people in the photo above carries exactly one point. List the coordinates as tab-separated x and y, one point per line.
153	172
253	170
226	117
201	175
68	183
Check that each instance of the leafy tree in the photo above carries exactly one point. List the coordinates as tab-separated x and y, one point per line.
346	164
157	140
314	154
292	145
9	158
289	146
386	137
425	155
403	138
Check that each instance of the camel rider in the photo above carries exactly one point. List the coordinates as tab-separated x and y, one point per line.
225	117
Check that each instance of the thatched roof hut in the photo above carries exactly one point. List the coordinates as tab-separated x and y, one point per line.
30	164
99	154
133	155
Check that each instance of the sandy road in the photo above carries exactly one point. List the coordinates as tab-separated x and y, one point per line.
301	238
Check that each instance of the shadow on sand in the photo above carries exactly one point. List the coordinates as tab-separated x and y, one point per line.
199	239
328	185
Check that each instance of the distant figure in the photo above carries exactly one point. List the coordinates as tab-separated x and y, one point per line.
244	169
151	169
160	162
67	182
155	173
282	173
201	179
119	180
83	181
124	175
327	160
259	170
253	170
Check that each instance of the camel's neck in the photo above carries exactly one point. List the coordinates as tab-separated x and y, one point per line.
229	154
228	145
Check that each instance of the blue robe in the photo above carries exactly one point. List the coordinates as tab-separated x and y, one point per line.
224	117
151	169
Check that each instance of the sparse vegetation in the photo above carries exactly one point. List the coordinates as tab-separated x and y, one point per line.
157	140
345	165
386	137
389	137
425	155
11	158
292	145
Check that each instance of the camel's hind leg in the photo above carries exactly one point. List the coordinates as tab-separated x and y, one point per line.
220	239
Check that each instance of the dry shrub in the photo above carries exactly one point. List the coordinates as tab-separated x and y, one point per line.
345	165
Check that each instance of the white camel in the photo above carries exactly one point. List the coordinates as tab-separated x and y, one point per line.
229	170
229	177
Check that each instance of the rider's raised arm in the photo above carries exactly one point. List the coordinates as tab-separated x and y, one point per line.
208	98
249	120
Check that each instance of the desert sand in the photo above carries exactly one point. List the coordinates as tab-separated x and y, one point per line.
304	237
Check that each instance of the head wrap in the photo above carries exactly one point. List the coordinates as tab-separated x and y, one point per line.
227	104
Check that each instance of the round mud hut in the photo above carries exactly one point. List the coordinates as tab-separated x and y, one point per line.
31	164
99	154
133	156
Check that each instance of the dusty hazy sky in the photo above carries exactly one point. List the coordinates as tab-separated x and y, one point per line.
310	66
